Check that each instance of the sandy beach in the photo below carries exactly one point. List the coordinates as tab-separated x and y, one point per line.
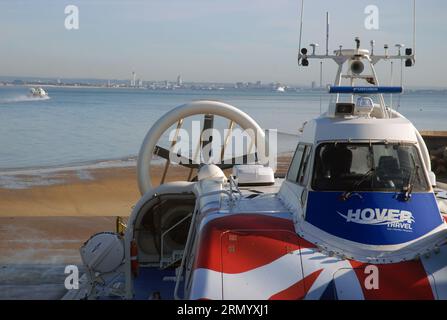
48	223
106	192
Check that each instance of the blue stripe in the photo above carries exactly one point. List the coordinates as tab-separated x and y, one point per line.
364	90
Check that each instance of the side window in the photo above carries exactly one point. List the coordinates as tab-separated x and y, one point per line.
295	165
302	176
298	167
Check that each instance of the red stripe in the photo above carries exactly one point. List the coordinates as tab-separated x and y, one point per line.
238	243
398	281
298	290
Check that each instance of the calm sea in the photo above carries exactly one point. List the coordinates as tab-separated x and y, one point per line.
81	125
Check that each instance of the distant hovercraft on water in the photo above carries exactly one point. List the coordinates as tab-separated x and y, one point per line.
38	93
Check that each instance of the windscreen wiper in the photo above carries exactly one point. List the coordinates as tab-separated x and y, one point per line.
408	188
348	193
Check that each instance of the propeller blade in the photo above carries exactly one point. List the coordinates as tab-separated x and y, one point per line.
166	154
245	159
208	123
188	163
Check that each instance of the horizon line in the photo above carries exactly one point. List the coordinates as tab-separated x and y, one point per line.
194	81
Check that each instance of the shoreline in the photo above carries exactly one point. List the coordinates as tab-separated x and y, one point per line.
75	165
434	140
33	176
81	190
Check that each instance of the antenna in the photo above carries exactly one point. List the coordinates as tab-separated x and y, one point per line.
327	33
321	84
357	42
391	83
301	30
414	27
321	74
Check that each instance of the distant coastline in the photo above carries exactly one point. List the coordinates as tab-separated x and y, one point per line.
175	85
157	85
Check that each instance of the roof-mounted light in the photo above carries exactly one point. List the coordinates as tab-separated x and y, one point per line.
314	45
357	42
344	108
357	67
399	47
410	61
372	43
364	106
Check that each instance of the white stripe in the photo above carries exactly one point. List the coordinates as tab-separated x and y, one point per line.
346	281
259	283
263	282
436	268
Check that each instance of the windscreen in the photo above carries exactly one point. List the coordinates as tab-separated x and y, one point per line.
368	167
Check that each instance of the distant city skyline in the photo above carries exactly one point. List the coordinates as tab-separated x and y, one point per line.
137	82
207	41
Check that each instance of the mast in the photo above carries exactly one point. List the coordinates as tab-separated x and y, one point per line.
327	33
414	27
356	59
301	29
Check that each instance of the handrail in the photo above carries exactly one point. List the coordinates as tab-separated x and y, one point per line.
165	233
182	264
190	232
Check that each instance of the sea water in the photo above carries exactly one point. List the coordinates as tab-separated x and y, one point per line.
85	125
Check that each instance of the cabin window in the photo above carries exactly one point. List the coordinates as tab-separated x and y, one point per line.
300	161
368	167
302	174
292	174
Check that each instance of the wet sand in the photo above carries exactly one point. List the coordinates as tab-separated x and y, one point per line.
47	240
34	252
107	192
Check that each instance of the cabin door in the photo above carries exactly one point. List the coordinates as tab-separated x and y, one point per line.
261	264
298	175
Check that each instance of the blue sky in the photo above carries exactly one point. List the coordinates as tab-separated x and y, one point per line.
208	40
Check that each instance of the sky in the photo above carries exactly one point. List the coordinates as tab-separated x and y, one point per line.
210	40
